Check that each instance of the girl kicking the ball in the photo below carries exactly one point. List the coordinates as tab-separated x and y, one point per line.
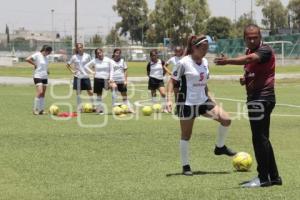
103	71
156	70
194	100
40	77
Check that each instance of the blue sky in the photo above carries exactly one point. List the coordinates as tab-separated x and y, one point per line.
94	15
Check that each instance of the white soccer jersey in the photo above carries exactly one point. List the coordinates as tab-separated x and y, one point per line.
156	69
79	62
119	70
41	63
103	68
173	62
193	79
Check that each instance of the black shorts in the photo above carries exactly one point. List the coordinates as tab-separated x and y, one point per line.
99	85
82	84
121	87
155	84
191	112
39	81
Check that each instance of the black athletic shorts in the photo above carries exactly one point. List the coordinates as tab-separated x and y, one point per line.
121	87
99	85
39	81
155	84
191	112
82	84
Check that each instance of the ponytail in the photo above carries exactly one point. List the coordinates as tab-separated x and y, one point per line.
194	41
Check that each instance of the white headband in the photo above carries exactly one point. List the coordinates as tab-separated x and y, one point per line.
200	42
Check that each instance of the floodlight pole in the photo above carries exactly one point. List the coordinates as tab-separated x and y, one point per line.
75	31
52	28
235	10
251	10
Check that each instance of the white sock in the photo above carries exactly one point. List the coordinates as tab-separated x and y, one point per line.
164	102
184	152
42	103
99	103
92	100
154	100
114	97
221	136
36	104
78	102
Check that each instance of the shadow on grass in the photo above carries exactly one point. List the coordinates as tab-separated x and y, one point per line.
199	173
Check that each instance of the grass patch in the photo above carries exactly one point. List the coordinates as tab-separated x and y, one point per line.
42	158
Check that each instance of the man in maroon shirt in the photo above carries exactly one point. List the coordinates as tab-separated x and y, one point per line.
259	78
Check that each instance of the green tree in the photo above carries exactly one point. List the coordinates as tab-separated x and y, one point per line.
134	14
96	40
113	38
294	8
238	28
275	15
177	19
219	27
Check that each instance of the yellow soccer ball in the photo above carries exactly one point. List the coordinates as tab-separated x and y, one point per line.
87	108
147	110
124	108
117	110
157	108
242	161
54	110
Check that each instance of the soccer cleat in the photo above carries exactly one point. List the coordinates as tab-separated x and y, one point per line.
224	151
276	181
99	112
254	183
130	110
186	170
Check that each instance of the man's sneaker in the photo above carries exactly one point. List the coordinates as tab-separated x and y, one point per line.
276	181
35	112
255	183
42	112
186	170
224	151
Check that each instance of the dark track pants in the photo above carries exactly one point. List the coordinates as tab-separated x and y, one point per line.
259	113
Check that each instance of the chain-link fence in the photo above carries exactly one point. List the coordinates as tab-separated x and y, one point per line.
286	47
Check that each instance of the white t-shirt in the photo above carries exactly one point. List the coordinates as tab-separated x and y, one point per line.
156	69
79	62
119	70
173	62
41	63
193	79
103	68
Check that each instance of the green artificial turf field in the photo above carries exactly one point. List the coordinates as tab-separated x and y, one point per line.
43	158
58	70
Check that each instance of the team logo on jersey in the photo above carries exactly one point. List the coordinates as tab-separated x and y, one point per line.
202	76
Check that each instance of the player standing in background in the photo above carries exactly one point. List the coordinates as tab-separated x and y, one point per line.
103	67
120	79
81	77
40	77
259	79
194	99
156	70
173	61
